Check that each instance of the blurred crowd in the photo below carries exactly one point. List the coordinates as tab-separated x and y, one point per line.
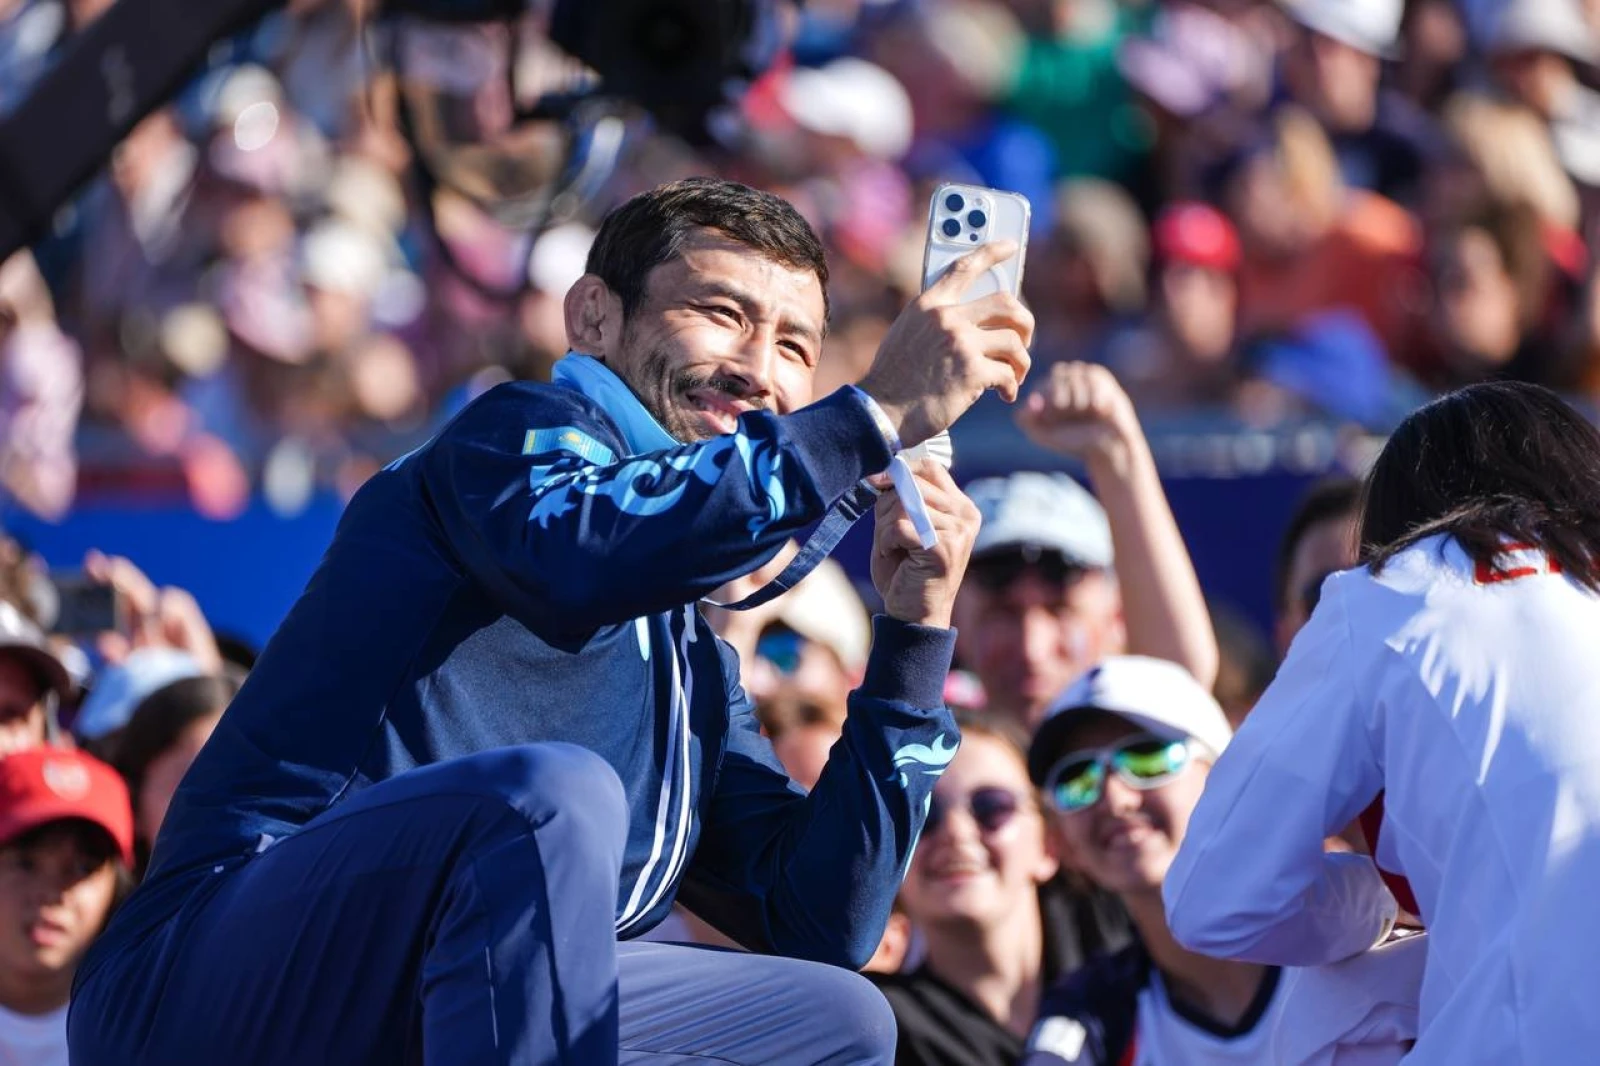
1256	210
1260	209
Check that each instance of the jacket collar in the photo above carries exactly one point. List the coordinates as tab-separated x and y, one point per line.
587	375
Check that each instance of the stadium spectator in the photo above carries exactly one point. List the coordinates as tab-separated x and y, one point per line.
159	742
1088	276
1122	759
66	844
980	893
1319	540
1536	52
1313	244
1333	69
1183	355
1042	602
33	682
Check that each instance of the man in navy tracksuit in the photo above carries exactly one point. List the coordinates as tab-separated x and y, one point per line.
494	740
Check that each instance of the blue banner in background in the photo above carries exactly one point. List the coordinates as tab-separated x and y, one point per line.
246	573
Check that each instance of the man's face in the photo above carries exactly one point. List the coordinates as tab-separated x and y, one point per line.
1325	547
1479	310
1126	840
721	330
1201	304
1029	630
55	891
1337	82
982	855
22	714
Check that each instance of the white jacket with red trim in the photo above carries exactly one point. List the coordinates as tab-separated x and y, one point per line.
1471	697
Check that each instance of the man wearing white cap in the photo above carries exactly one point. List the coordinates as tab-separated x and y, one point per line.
1332	69
1122	759
1535	51
32	682
1040	603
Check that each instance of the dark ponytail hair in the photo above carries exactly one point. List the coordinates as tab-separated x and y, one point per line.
1496	463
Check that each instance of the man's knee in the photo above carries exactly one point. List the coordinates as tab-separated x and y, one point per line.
540	779
861	1025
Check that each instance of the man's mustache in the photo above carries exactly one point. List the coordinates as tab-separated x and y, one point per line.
687	381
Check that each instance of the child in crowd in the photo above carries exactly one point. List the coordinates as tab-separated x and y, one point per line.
1122	758
66	845
996	924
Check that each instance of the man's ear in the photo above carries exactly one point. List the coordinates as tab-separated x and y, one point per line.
593	316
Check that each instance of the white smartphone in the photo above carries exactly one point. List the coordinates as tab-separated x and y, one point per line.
964	217
960	219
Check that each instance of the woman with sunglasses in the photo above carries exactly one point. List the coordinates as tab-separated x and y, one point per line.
1454	678
1121	759
992	940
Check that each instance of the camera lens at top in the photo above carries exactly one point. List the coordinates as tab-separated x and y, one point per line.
954	202
951	228
977	220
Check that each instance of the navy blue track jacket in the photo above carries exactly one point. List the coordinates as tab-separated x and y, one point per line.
531	575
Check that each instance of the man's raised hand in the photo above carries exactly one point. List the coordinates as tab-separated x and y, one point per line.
941	355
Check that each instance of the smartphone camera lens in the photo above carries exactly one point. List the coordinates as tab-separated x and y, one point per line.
951	228
954	202
977	220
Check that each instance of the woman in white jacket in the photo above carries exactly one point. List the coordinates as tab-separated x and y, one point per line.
1456	676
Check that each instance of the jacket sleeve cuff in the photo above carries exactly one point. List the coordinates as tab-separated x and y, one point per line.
840	441
891	436
908	663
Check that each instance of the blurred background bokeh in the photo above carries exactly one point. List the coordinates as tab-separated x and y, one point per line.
1281	223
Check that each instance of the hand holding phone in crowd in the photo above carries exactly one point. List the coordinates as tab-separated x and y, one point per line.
116	604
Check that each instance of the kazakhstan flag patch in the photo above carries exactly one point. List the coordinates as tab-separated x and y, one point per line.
567	439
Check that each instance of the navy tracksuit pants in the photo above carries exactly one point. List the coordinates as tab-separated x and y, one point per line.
462	914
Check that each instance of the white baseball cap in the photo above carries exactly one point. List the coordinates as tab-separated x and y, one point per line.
24	641
1545	26
855	99
1370	26
1154	694
825	608
1035	511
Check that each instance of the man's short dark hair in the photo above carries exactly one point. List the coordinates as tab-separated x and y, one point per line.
650	229
1332	497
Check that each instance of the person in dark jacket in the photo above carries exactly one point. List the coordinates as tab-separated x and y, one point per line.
494	740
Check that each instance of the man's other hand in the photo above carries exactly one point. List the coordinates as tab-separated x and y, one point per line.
918	585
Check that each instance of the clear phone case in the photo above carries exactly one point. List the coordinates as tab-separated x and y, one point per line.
964	217
961	218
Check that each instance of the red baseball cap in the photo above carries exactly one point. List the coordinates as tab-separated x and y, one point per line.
1198	234
43	785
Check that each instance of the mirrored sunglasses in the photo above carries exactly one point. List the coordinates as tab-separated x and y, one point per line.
1078	780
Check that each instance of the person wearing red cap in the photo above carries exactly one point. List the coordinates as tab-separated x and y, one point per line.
1182	354
66	845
